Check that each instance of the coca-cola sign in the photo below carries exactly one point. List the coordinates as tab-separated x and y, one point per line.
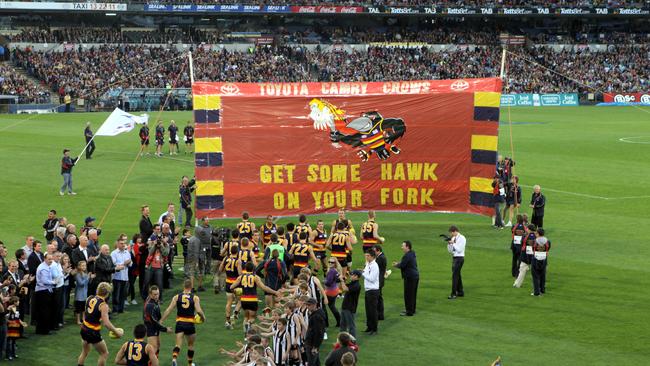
327	9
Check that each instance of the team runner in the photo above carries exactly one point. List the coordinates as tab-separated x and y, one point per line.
137	352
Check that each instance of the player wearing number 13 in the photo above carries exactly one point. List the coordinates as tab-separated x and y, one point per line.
137	352
187	306
95	314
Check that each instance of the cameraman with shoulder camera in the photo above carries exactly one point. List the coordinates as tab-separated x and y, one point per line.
219	237
499	196
456	247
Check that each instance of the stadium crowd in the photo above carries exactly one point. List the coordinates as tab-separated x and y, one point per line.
553	3
15	84
93	70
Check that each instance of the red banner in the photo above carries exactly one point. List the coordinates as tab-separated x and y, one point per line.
327	9
627	98
288	148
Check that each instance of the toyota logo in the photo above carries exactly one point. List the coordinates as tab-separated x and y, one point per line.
229	89
459	85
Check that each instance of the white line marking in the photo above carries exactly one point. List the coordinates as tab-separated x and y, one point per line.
627	140
152	155
589	195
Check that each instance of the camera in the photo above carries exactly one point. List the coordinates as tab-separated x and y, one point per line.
445	237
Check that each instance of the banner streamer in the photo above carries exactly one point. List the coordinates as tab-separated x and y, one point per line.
288	148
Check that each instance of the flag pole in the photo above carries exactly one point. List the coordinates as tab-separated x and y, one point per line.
84	150
191	62
503	64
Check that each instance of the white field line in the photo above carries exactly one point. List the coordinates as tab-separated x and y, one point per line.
589	195
627	140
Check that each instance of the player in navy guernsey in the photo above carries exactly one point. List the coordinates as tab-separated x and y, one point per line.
144	139
245	227
246	253
249	282
268	228
303	225
95	314
225	250
349	229
173	138
151	317
318	240
160	138
370	232
302	252
339	244
526	254
137	352
232	267
188	136
518	233
187	306
538	265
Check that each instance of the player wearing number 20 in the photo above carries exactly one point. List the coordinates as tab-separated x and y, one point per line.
137	352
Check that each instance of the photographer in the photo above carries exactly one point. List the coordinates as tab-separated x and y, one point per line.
204	233
499	197
158	247
168	234
456	247
513	198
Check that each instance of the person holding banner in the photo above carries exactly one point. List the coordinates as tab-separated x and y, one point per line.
66	171
88	134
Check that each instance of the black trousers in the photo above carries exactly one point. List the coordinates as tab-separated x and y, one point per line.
410	294
380	304
538	269
119	295
372	298
516	261
90	150
456	278
331	303
537	220
59	304
43	311
188	216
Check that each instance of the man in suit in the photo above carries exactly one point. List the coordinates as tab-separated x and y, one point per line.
537	203
21	280
381	262
146	227
84	253
409	267
36	258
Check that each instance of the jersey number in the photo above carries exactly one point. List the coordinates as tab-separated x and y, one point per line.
91	305
230	265
135	352
248	281
185	301
302	251
244	228
338	239
367	228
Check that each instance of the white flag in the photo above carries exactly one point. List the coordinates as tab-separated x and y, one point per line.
119	122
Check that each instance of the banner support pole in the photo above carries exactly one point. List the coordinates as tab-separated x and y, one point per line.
84	150
191	62
503	64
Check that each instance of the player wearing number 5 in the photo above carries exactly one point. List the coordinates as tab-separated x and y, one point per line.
249	283
187	306
137	352
95	314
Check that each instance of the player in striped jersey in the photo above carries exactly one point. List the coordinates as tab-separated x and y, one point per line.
245	227
318	240
295	326
246	253
267	229
232	267
249	282
303	225
302	252
281	343
96	314
369	232
137	352
339	243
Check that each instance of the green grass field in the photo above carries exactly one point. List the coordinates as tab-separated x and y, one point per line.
596	308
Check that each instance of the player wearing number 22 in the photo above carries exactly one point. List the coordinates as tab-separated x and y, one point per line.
187	305
137	352
95	314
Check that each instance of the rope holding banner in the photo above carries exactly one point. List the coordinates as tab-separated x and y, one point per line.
137	157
